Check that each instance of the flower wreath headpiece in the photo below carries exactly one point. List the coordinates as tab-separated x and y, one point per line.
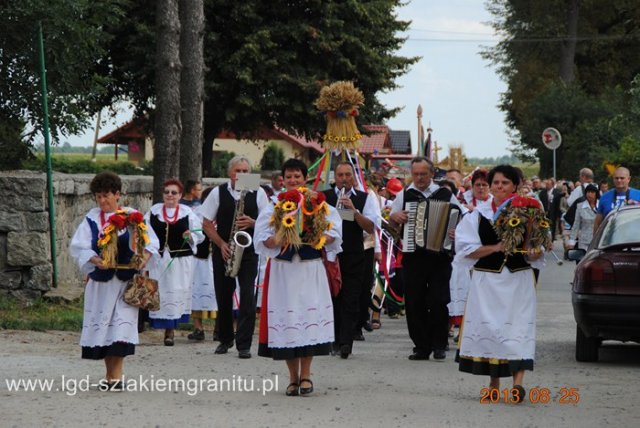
138	238
300	218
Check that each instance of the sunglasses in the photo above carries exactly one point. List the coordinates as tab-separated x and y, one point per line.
171	192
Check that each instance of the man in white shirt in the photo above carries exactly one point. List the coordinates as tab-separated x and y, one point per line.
426	274
360	213
220	207
586	177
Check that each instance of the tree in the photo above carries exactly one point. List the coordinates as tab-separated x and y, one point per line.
167	114
74	43
265	61
191	88
268	60
272	158
564	65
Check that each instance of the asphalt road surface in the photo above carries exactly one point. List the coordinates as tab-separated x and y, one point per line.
377	386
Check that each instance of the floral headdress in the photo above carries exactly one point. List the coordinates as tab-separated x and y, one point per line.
522	225
300	218
138	238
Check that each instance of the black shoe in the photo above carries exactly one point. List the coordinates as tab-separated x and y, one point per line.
115	386
306	391
292	390
439	354
196	335
223	348
417	356
358	336
367	326
244	354
345	350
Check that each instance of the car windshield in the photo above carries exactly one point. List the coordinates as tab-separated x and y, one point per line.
622	228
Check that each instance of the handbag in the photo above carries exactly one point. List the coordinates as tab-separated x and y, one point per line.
142	292
334	276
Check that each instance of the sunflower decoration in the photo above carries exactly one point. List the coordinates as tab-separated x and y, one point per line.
300	218
133	221
521	224
340	101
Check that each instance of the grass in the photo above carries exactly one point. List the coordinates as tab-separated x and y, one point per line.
40	315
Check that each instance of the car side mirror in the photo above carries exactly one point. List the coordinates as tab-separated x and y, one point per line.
576	255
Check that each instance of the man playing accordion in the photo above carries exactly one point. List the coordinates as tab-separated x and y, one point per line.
427	273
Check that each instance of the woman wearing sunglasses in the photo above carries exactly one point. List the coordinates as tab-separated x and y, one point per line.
179	231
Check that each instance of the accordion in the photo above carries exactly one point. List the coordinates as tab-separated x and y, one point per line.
429	223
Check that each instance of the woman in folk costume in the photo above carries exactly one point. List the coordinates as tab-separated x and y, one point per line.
460	272
498	331
296	319
179	231
203	295
103	240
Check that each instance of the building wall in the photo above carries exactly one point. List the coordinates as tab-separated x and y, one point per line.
253	150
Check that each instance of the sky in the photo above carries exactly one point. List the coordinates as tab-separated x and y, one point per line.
458	90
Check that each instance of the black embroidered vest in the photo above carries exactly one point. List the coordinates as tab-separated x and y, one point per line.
496	262
226	209
176	243
352	238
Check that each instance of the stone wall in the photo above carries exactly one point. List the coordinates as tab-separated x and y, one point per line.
25	261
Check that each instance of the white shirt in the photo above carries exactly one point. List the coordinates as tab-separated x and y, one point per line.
371	209
209	208
398	203
576	193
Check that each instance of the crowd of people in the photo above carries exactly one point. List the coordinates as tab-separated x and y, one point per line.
478	286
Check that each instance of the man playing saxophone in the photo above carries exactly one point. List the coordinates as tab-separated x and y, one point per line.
231	214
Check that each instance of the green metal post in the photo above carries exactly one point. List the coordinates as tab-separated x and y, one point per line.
47	151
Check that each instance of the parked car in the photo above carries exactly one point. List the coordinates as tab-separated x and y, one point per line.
606	284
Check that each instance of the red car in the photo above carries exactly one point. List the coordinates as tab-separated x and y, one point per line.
606	285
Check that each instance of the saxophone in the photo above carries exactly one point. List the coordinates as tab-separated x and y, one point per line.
239	240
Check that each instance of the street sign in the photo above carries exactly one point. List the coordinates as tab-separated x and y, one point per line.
551	138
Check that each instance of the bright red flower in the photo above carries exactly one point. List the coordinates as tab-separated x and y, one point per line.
291	195
136	217
118	221
320	198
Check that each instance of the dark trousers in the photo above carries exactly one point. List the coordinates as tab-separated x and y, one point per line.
365	291
426	291
225	287
346	308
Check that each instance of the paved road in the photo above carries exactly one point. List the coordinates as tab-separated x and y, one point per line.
378	386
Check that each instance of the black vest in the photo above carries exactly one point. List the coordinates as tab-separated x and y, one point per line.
176	243
496	262
352	239
124	257
226	209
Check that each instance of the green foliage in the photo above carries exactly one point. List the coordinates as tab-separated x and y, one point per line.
40	315
272	158
74	165
219	164
266	61
12	146
74	42
596	112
